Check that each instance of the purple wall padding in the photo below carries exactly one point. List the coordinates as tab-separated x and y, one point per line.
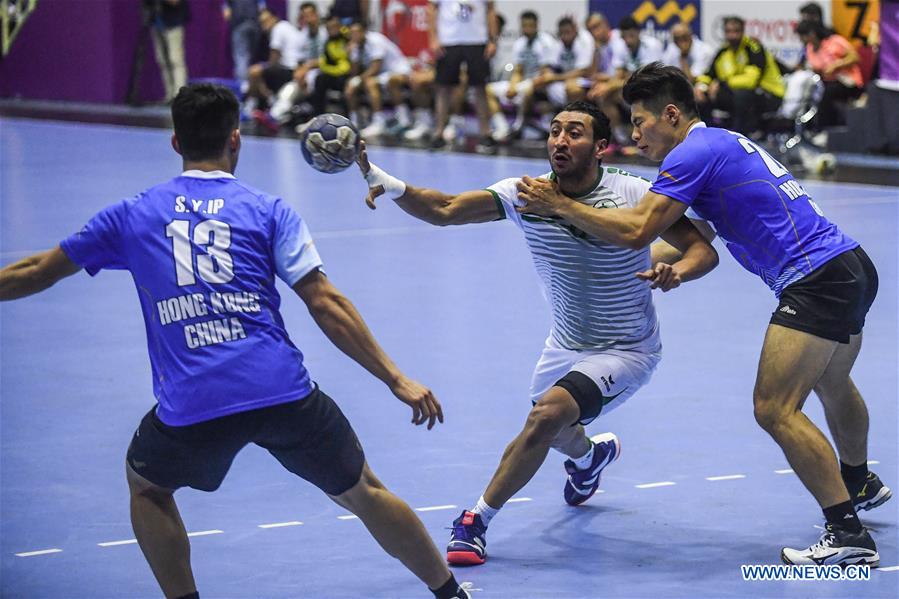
82	50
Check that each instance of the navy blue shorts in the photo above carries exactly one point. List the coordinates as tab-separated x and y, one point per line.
310	437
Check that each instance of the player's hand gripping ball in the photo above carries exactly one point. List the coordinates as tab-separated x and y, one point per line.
330	143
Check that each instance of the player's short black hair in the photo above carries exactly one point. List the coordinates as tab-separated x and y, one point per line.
566	20
602	128
657	85
806	27
204	115
812	9
734	19
628	24
529	14
306	5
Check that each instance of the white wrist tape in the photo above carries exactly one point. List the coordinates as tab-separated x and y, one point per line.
393	187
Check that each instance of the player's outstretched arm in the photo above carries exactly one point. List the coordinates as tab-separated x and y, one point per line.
634	227
425	204
695	257
35	273
341	322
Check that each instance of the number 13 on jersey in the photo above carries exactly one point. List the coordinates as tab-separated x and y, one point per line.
213	236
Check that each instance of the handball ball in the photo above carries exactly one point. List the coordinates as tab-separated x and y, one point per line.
330	143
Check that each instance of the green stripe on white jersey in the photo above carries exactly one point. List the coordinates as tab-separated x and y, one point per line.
595	299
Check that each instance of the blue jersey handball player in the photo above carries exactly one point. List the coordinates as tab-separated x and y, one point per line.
823	279
204	250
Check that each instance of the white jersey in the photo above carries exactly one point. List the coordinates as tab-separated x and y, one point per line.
378	47
461	22
596	301
650	50
285	38
578	56
699	58
534	54
311	46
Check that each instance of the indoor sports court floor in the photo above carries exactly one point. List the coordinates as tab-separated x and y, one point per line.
699	491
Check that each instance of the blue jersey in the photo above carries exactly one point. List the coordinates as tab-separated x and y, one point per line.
204	250
770	224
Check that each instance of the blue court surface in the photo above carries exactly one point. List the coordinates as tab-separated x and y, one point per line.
700	489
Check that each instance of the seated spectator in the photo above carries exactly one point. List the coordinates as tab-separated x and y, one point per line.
630	51
333	65
310	42
687	52
267	78
532	52
603	37
378	64
832	57
564	80
744	80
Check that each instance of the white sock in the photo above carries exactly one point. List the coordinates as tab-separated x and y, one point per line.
422	116
499	122
585	460
379	117
484	511
402	115
458	120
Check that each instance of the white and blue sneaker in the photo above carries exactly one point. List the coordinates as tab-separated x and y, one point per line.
837	546
582	484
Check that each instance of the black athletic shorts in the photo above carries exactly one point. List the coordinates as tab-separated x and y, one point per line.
277	76
449	65
310	437
833	300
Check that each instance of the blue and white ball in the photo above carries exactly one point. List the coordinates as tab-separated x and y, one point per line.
330	143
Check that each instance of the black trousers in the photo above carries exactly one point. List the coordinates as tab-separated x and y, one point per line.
323	84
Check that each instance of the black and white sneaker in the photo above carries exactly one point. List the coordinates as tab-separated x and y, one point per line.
837	546
872	494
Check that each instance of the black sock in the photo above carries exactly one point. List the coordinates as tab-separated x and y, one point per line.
450	590
844	516
854	476
194	595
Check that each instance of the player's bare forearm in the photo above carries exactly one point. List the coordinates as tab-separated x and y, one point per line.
663	252
698	260
339	320
429	205
621	227
35	274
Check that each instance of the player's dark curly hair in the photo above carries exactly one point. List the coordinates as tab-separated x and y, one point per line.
657	85
602	128
204	116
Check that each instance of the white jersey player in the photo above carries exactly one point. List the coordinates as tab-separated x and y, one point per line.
604	342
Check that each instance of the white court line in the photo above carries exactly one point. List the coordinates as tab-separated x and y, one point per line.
890	569
117	543
434	508
519	499
726	477
666	483
348	517
787	471
281	524
41	552
203	533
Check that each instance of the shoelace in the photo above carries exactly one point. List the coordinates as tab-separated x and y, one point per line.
825	542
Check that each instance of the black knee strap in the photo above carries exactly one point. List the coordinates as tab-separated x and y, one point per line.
585	392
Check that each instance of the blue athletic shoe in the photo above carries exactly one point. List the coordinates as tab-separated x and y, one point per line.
468	545
582	484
